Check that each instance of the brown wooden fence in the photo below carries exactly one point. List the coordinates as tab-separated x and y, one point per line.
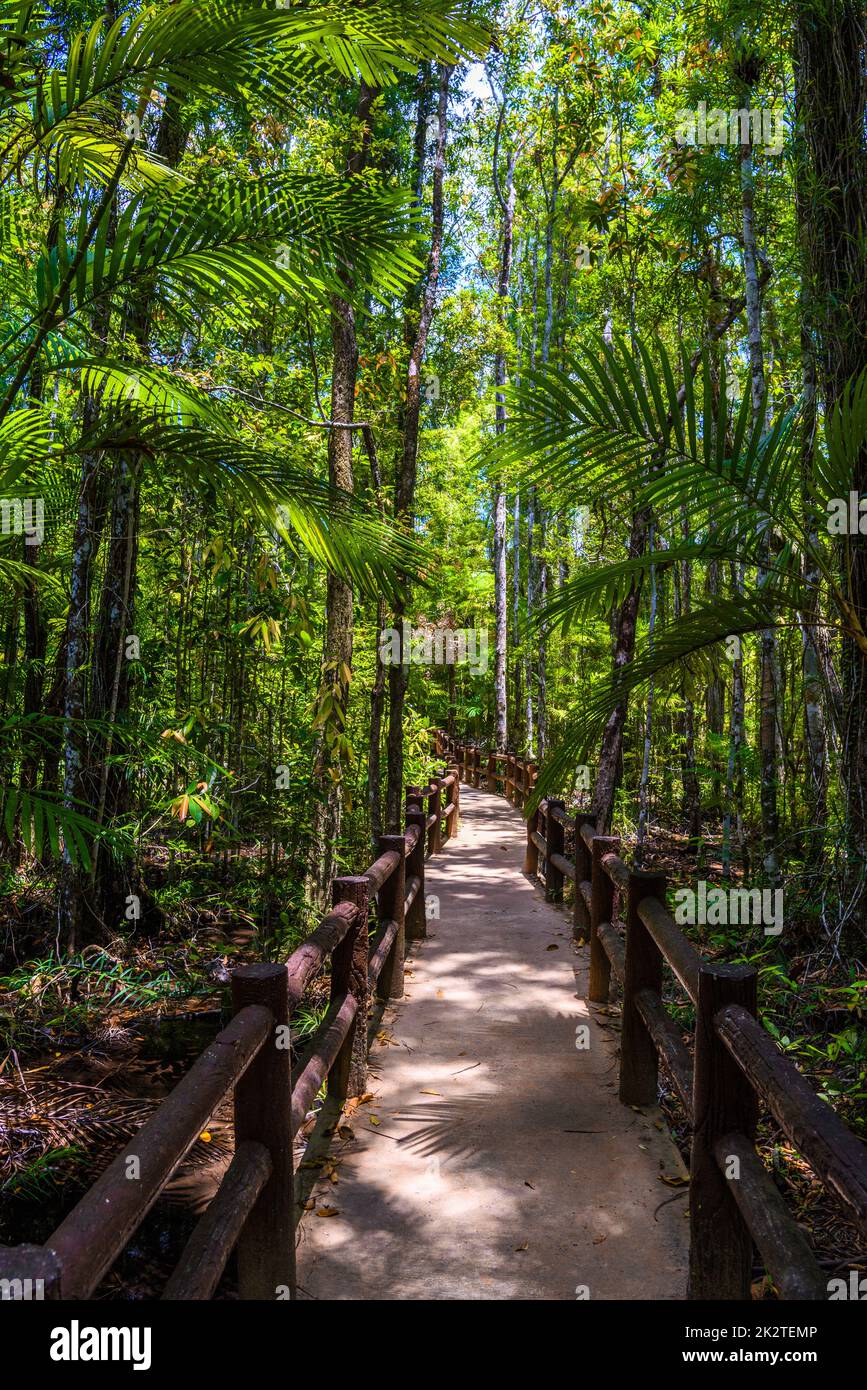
254	1208
497	772
735	1063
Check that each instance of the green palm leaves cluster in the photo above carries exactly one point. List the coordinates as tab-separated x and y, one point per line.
93	222
648	434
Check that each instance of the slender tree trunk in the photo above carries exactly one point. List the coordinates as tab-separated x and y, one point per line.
611	751
339	600
500	613
542	644
768	700
377	694
73	920
815	694
404	498
35	642
691	805
831	73
644	785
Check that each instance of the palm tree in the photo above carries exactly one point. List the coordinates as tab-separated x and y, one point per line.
98	231
615	424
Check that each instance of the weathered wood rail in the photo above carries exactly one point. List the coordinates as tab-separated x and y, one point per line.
253	1210
497	771
735	1063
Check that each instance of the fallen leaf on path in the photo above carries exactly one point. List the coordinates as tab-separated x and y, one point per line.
552	947
374	1119
440	994
677	1181
346	1132
430	1093
352	1105
326	1211
525	1246
597	1240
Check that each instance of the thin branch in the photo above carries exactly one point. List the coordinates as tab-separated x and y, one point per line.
323	424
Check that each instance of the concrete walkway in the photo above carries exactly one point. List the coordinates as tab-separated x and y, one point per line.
495	1160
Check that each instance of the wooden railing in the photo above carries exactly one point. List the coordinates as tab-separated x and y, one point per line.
735	1063
253	1209
515	777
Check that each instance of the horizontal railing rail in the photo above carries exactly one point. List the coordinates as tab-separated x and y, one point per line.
735	1063
253	1211
506	772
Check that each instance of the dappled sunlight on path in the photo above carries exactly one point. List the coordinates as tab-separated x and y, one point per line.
495	1160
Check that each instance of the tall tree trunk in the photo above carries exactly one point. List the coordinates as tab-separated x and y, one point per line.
339	600
377	694
507	203
644	784
611	751
831	58
35	641
691	804
416	336
768	698
111	880
74	919
815	694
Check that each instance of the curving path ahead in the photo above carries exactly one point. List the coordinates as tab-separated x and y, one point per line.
495	1160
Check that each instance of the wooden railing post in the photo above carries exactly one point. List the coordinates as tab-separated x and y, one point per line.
445	821
492	772
509	781
390	908
583	873
434	835
349	970
721	1247
555	841
263	1112
416	921
531	853
639	1060
455	798
601	910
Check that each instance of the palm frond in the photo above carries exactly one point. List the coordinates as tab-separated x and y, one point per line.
239	48
605	425
341	531
685	644
290	234
43	821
